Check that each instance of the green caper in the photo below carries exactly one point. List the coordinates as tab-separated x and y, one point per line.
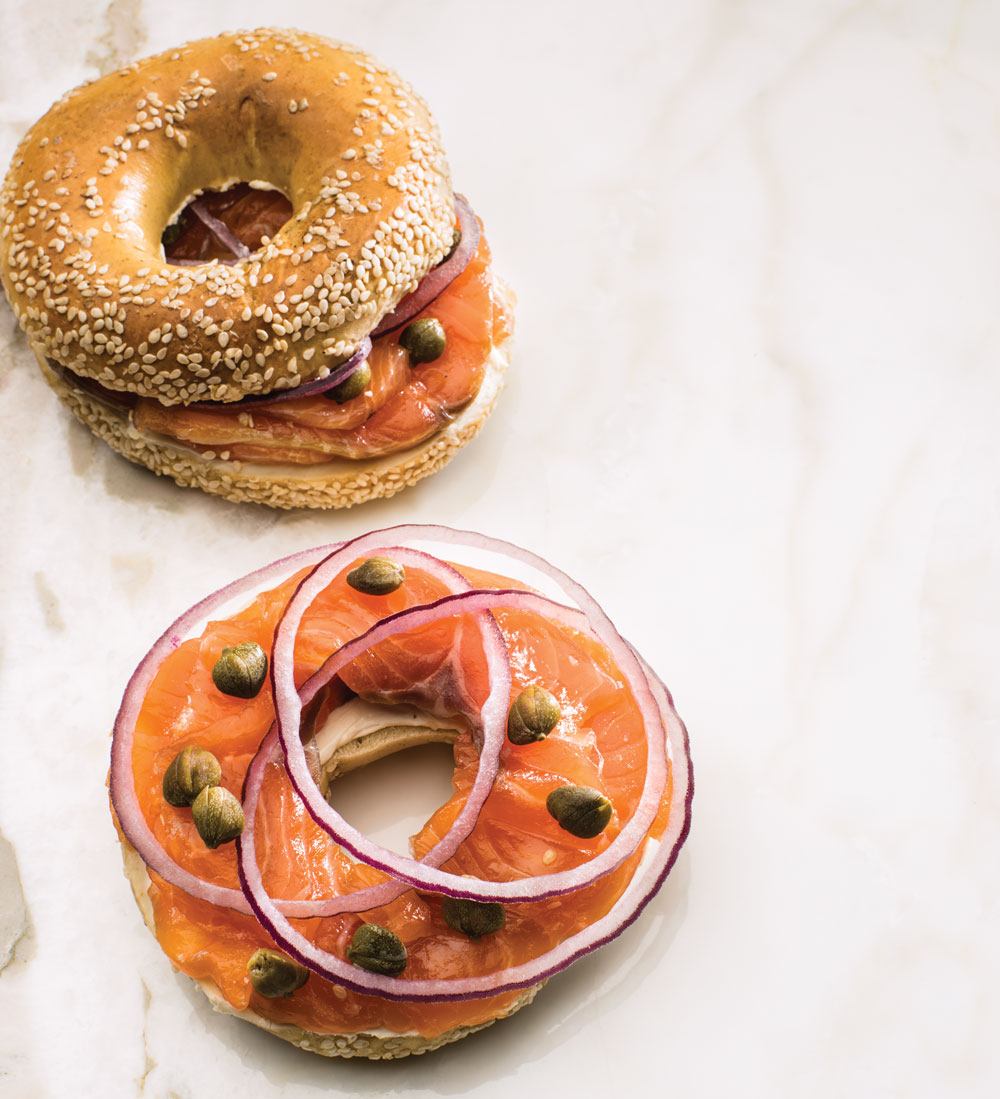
451	251
580	810
352	386
217	815
378	950
274	974
241	670
533	716
424	339
173	231
473	918
191	771
376	576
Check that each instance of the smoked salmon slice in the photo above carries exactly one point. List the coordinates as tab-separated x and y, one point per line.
403	405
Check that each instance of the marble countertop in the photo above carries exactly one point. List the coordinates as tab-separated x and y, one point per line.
757	253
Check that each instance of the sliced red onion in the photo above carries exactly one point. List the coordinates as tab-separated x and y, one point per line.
124	797
439	277
306	389
490	722
118	399
122	782
288	708
220	230
123	400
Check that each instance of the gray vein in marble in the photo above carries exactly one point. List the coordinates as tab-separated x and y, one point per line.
14	920
122	38
798	376
701	69
135	485
132	572
797	372
149	1062
49	602
876	543
82	446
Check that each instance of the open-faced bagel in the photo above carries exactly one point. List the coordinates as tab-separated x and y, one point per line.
570	798
95	182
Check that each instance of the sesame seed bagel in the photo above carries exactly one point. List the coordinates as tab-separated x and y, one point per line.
114	319
93	184
381	1044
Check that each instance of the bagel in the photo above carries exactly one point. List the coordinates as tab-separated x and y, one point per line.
343	165
538	707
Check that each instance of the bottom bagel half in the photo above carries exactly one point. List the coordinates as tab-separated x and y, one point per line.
341	482
377	1044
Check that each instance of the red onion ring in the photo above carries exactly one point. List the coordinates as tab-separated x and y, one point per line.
306	389
221	231
491	737
431	285
122	783
288	715
124	401
124	797
118	399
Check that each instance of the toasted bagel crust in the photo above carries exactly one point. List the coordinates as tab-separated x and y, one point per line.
94	182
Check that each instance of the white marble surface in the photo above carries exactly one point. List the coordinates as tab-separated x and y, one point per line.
757	249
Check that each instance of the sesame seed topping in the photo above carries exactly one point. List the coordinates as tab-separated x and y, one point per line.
61	266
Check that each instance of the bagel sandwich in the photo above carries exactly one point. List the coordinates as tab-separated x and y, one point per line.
242	264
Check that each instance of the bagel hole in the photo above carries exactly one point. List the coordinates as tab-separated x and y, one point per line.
391	799
251	211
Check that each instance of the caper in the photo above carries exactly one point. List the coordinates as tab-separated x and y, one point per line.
241	670
376	576
217	815
473	918
580	810
191	771
352	386
377	949
451	251
424	339
274	974
533	716
173	231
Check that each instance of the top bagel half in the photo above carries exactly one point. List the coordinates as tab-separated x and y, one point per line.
96	180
